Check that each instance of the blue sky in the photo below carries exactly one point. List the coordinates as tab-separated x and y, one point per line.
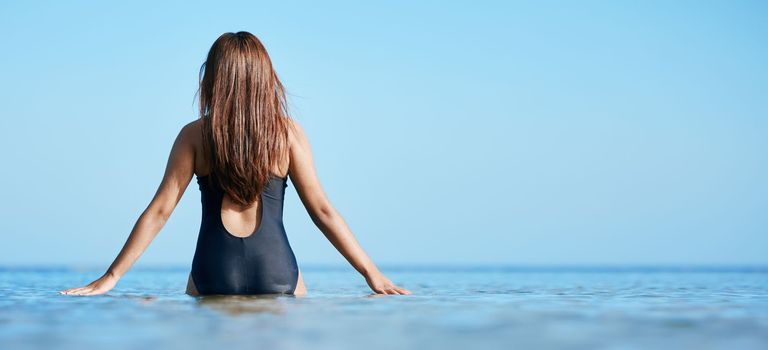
455	132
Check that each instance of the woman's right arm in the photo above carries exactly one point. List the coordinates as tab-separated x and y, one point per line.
304	177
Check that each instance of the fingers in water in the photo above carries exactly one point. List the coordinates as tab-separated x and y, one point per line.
73	290
76	291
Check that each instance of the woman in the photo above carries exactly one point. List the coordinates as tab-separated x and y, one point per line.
242	150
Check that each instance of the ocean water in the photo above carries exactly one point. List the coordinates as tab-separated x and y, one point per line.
451	308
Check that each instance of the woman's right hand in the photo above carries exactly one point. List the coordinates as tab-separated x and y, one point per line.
382	285
102	285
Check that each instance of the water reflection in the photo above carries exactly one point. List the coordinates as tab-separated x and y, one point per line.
235	305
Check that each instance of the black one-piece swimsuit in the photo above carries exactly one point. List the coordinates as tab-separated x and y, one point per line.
261	263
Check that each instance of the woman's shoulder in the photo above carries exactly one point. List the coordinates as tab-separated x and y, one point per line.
194	125
191	132
296	135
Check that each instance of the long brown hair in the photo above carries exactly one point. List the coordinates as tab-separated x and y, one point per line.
245	115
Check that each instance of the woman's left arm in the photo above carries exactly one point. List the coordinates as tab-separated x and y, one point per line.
178	173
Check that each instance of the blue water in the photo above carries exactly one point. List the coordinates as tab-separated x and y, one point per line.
469	308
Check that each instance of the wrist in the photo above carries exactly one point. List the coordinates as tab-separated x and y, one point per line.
112	274
370	272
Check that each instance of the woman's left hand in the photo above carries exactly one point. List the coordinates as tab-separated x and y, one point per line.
102	285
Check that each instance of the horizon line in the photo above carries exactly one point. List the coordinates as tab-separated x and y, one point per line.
439	267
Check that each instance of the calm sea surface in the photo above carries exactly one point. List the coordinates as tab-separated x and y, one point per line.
452	308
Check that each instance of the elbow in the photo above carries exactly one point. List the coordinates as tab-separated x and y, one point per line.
323	214
163	217
160	216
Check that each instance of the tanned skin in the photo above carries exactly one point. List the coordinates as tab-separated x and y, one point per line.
186	159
